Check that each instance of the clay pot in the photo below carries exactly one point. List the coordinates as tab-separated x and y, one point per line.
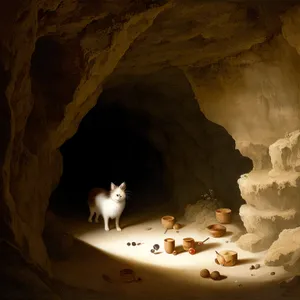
223	215
188	243
168	222
227	258
216	230
169	244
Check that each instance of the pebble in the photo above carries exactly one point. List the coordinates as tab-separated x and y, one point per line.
252	267
257	266
272	273
215	275
149	228
204	273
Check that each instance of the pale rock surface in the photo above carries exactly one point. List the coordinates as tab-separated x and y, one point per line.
285	154
272	197
286	251
258	153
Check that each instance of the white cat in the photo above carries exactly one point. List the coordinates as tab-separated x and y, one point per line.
109	204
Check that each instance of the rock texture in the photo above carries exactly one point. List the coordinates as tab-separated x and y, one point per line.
286	251
55	57
272	197
53	69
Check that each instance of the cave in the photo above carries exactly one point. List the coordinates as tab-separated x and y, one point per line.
194	105
150	133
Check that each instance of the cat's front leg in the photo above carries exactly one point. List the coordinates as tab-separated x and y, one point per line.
106	226
117	224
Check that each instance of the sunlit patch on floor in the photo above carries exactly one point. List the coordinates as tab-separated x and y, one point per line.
160	268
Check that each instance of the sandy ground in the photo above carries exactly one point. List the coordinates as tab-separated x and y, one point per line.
97	253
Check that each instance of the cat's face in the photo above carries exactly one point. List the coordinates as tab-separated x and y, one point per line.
118	192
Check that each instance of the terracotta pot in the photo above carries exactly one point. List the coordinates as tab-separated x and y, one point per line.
168	222
223	215
169	245
227	258
188	243
217	230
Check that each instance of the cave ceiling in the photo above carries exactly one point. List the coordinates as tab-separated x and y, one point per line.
185	34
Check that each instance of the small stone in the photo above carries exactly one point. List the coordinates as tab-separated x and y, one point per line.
257	266
156	246
177	231
152	251
149	228
176	226
252	267
133	244
204	273
128	244
252	274
215	275
139	279
139	244
227	241
240	285
272	273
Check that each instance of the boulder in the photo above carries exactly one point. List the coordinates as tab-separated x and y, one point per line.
285	251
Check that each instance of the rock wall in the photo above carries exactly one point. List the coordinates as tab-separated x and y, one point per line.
258	91
43	98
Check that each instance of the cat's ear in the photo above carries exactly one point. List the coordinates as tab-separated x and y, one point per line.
112	186
123	186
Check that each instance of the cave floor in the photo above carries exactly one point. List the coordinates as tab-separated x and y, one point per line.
96	253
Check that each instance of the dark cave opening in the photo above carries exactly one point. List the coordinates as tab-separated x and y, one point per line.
150	133
111	145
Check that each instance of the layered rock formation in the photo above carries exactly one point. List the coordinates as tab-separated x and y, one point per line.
241	58
272	196
286	251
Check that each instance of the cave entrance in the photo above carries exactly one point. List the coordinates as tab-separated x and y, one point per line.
150	133
111	145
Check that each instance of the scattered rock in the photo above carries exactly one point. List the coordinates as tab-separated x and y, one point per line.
149	228
252	274
176	226
215	275
257	266
133	244
252	267
272	273
204	273
156	247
